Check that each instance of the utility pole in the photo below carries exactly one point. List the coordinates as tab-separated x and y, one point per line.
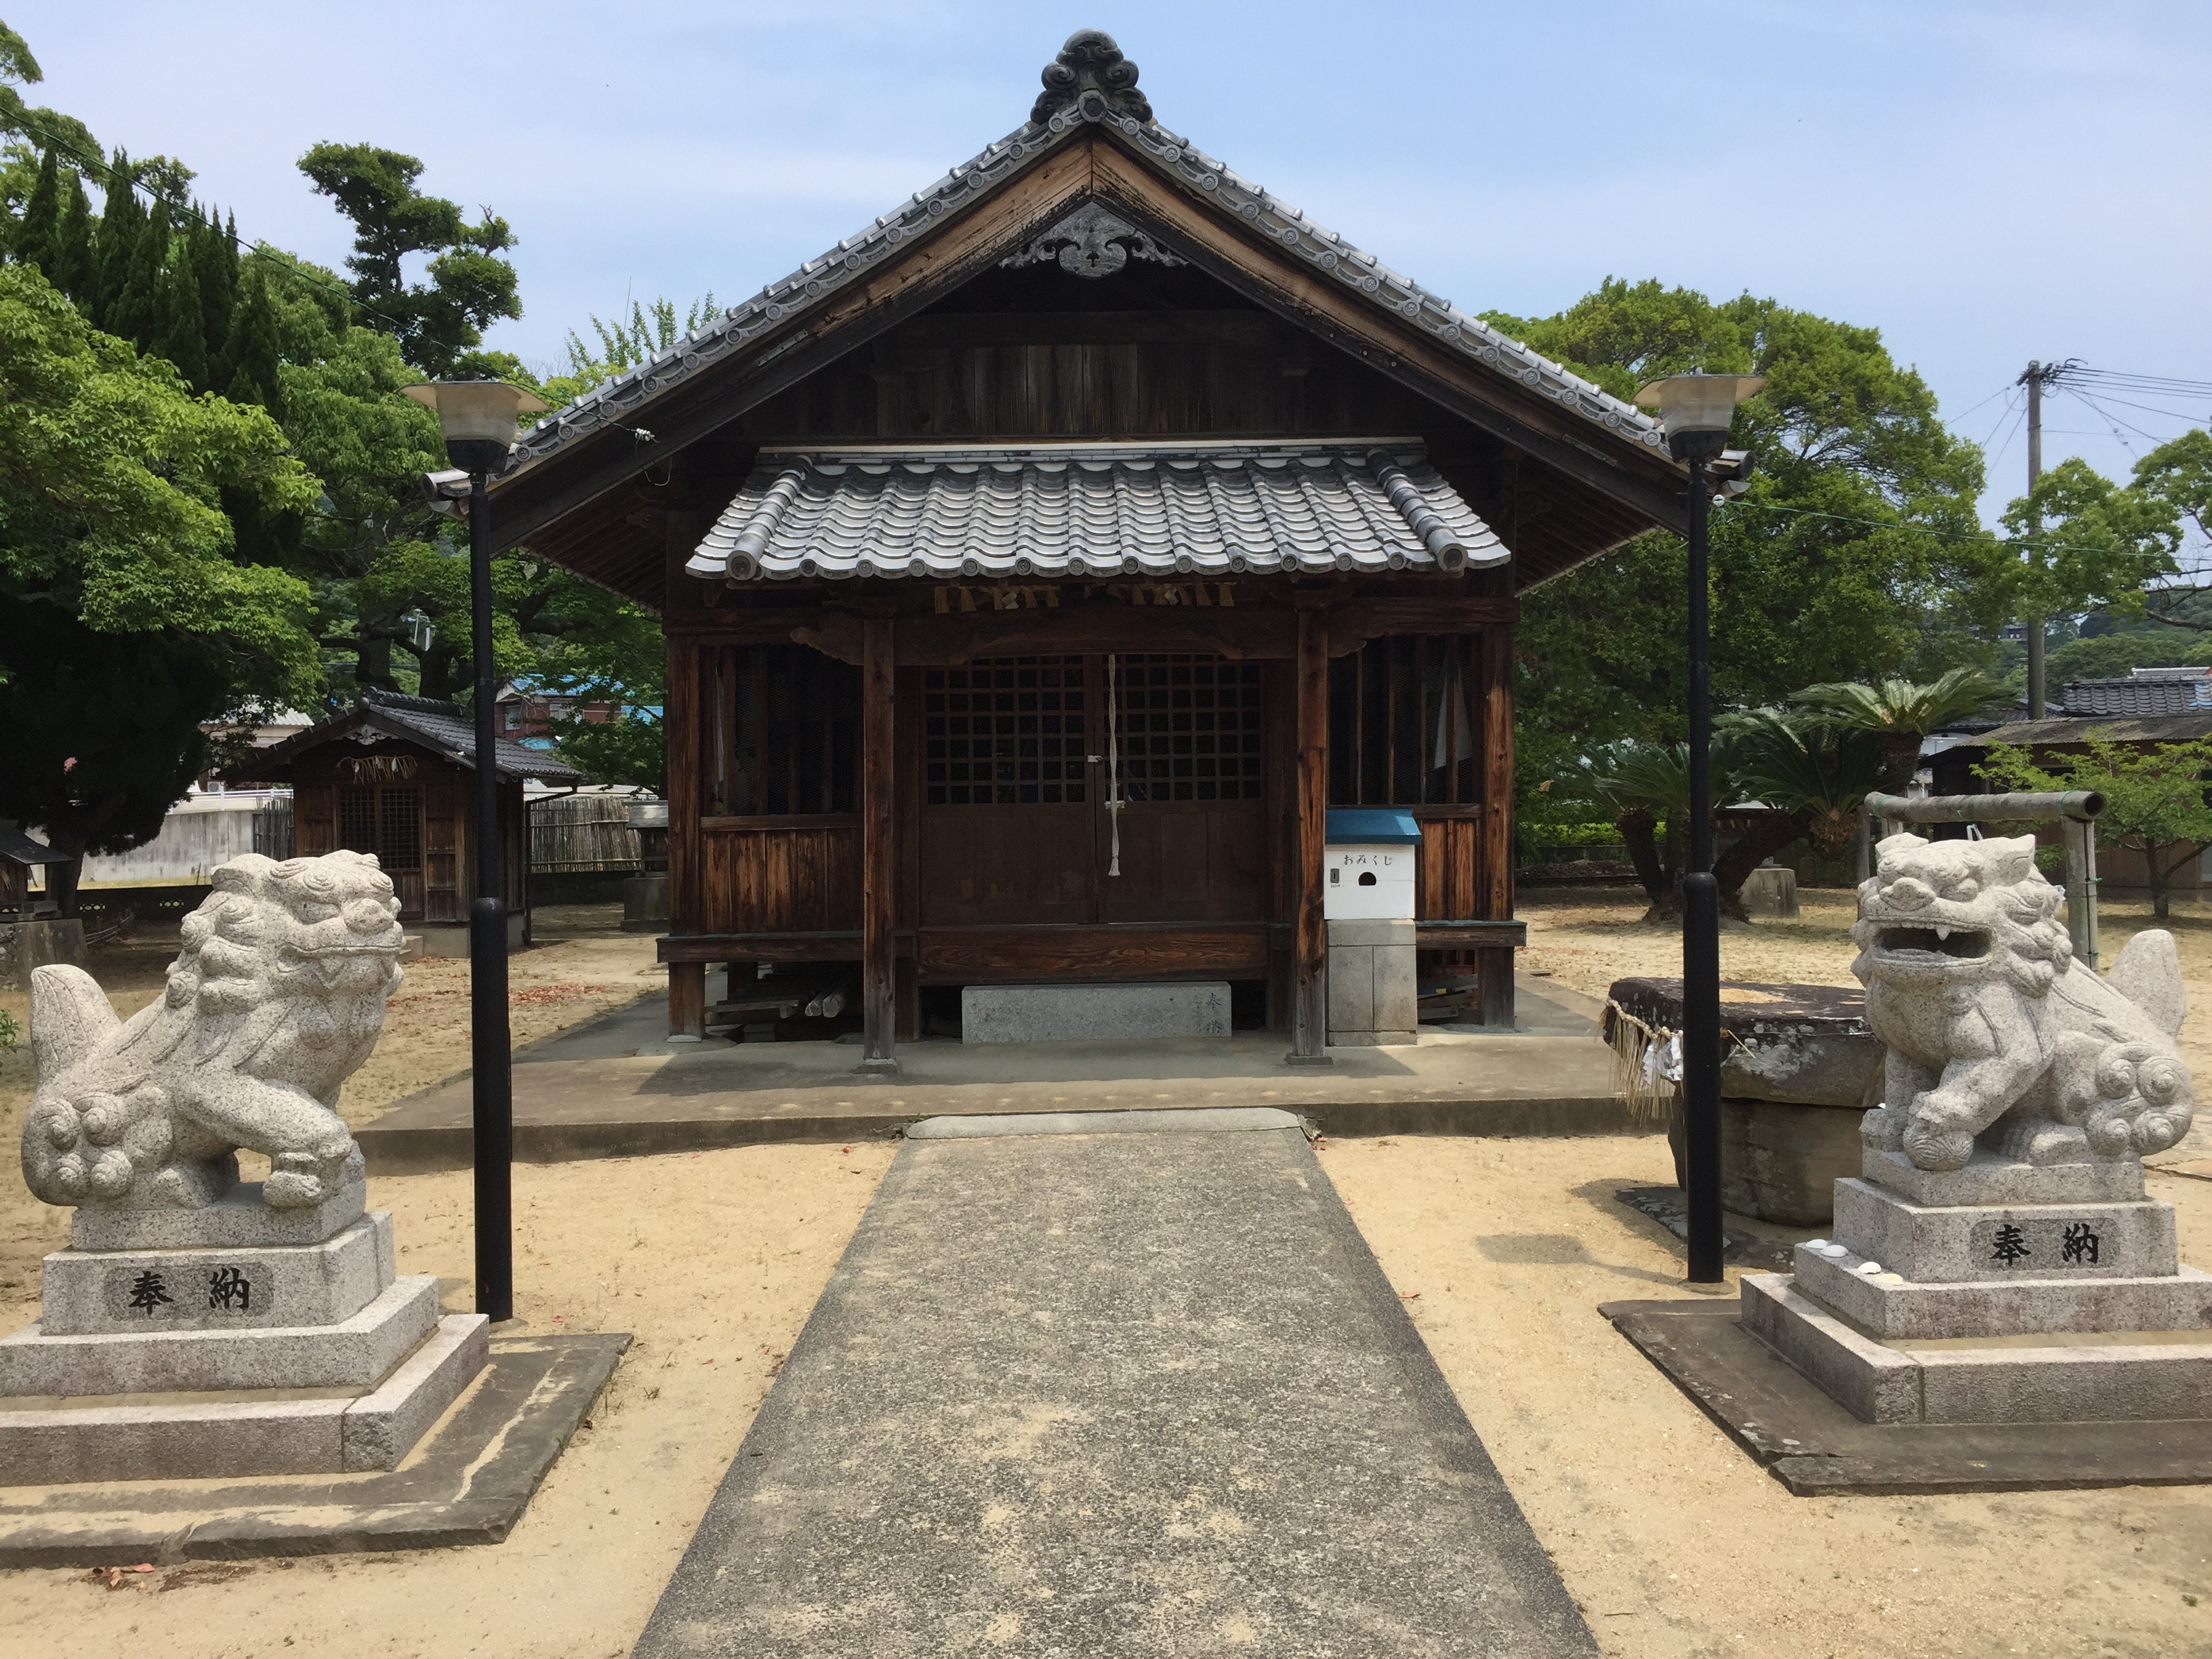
2037	376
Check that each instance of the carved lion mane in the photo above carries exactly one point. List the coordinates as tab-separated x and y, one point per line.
277	997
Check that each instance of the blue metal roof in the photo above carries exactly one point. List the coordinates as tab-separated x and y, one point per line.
1371	826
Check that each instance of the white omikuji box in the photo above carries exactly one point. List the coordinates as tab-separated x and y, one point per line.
1368	865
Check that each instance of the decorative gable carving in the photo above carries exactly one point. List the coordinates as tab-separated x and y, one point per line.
1092	242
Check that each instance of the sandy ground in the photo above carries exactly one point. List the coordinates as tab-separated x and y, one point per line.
1674	1542
712	1260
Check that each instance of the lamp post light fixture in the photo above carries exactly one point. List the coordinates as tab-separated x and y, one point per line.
1694	413
477	418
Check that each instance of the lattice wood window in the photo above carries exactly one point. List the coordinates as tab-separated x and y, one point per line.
1008	732
1189	729
387	821
1402	723
786	733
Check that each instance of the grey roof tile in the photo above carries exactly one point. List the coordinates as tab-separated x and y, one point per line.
2139	694
1094	510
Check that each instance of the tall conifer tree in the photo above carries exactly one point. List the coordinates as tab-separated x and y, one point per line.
75	268
137	313
214	263
42	217
121	222
180	330
250	354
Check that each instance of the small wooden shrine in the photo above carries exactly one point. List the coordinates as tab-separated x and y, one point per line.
1041	562
396	776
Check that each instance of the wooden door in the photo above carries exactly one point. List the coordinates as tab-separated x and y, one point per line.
1009	808
1188	736
1016	829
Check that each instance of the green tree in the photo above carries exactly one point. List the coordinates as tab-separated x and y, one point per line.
1858	550
181	334
250	353
438	323
215	273
121	220
42	215
73	264
2084	542
2155	797
112	475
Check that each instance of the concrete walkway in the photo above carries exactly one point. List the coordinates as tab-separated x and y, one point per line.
1131	1394
616	1088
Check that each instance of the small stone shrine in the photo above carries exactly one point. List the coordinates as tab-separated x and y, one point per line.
197	1327
1996	1261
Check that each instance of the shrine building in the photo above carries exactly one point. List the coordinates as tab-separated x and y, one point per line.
1040	564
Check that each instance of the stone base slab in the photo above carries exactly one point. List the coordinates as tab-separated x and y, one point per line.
1781	1421
356	1353
467	1481
1372	1039
146	1291
1987	1179
237	1221
1886	1306
1066	1013
1956	1244
214	1438
1990	1383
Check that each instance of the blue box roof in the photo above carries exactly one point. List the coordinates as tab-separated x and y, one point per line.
1371	826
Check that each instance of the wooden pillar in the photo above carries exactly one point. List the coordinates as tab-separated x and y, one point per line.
1309	946
687	1000
878	850
1493	880
681	729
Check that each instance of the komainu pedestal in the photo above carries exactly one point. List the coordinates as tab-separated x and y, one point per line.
197	1327
1997	1260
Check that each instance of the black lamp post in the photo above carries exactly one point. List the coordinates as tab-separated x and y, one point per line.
1694	412
478	420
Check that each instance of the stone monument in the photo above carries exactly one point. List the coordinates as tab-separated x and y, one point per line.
1996	1261
198	1326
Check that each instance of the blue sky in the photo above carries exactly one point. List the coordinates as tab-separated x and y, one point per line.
1986	183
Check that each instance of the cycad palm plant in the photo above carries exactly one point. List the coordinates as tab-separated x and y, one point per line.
1900	713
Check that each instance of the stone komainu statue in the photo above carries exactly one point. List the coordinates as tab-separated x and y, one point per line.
277	998
1995	1033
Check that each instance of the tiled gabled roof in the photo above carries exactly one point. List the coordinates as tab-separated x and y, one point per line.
1095	509
445	728
1324	252
2142	695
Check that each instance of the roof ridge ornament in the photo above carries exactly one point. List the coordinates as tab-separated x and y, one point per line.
1094	243
1092	77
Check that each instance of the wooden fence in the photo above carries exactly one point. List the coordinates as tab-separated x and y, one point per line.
582	832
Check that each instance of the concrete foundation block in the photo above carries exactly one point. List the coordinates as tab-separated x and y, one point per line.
355	1354
2150	1377
1374	991
1873	1383
239	1221
1771	890
1989	1179
1064	1013
46	1443
142	1291
1950	1244
382	1427
1885	1307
